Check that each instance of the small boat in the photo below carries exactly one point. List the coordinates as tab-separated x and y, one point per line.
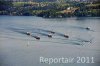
66	36
49	35
47	31
28	33
44	34
52	32
87	28
38	38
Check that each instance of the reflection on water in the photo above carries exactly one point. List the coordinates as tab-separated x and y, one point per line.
66	33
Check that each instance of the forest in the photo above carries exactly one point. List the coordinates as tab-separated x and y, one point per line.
50	9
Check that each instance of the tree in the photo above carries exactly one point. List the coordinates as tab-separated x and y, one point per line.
5	5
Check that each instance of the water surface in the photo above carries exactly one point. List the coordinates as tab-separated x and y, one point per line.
19	49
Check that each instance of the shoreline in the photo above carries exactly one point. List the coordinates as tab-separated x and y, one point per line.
53	17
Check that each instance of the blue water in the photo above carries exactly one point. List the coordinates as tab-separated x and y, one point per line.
19	49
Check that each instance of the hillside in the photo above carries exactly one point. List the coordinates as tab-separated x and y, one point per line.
50	9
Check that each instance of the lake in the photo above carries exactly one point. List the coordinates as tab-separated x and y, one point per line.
17	48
